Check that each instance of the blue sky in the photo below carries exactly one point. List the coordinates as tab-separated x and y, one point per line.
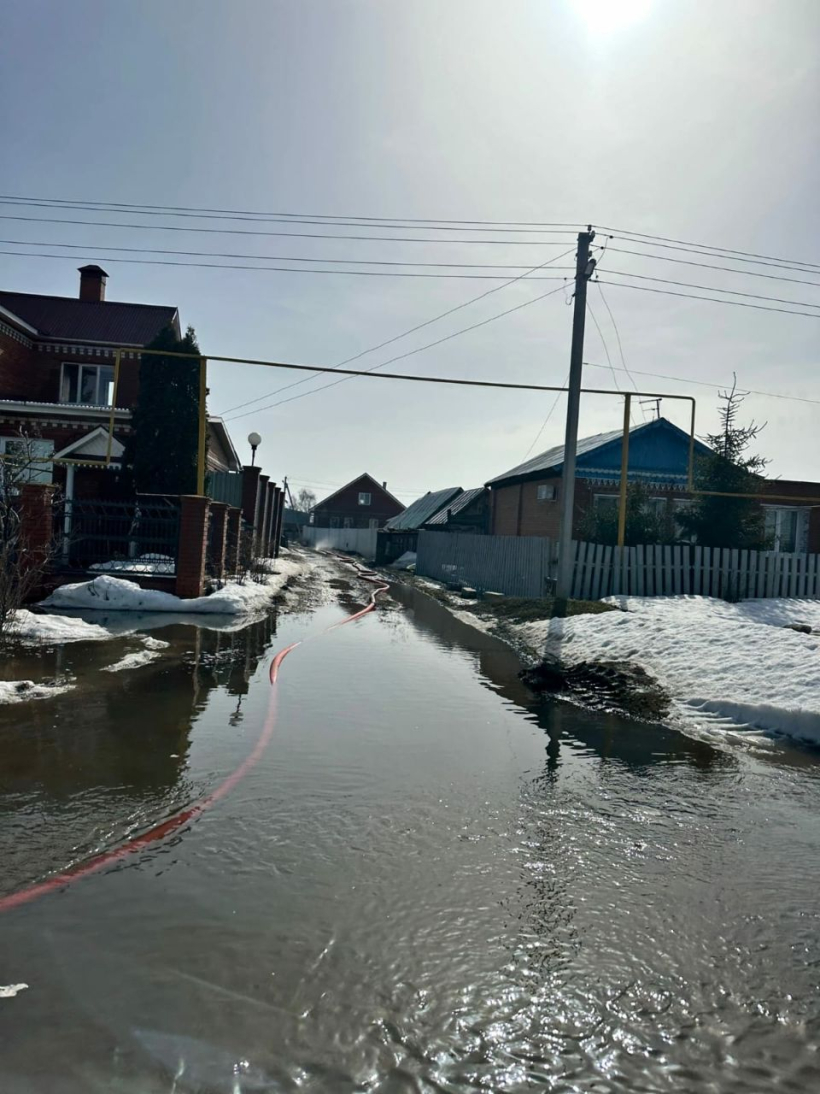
686	119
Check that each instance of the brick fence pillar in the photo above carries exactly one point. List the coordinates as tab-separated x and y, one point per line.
250	494
219	537
36	523
277	528
193	545
233	530
268	532
262	516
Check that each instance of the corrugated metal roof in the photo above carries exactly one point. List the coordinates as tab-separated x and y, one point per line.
456	505
91	320
659	452
553	458
422	510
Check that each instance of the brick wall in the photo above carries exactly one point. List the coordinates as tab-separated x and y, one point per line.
193	544
29	370
19	376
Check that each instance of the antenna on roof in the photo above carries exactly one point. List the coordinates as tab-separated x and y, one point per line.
653	402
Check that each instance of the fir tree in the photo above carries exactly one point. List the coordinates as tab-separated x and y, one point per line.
162	453
729	469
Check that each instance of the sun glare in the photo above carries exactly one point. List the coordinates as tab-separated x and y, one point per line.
605	16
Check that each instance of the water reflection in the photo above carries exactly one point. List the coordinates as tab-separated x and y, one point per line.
613	737
81	770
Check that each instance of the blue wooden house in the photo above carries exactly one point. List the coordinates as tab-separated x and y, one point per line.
525	501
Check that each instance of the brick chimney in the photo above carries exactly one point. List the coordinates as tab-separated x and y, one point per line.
384	486
92	283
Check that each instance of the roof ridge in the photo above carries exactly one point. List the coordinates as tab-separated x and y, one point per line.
93	303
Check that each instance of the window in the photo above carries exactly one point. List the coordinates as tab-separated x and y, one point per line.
348	522
28	463
786	527
373	522
334	522
545	492
364	498
91	385
605	501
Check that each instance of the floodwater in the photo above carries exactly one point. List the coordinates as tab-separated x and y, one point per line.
429	882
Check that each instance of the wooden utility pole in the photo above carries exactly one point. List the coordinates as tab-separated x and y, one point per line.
584	267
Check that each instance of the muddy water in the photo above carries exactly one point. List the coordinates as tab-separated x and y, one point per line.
429	882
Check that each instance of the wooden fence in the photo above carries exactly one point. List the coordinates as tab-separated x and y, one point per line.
360	540
731	574
525	566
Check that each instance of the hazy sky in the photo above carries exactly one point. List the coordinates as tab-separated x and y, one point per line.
690	119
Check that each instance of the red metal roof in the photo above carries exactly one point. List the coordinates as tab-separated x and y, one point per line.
90	320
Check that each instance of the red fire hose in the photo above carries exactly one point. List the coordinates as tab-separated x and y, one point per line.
106	858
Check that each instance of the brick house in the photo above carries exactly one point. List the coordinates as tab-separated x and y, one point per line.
57	379
525	501
362	503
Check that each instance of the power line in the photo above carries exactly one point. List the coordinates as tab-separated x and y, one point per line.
603	343
429	222
545	422
714	288
617	334
273	258
350	374
260	218
712	299
279	269
294	235
412	330
709	246
715	386
711	266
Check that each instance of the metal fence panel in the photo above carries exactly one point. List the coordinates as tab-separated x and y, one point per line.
360	540
226	486
139	537
513	565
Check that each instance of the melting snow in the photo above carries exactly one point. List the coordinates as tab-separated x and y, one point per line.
20	691
739	664
8	991
106	593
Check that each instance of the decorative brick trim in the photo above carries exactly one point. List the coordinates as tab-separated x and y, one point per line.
15	334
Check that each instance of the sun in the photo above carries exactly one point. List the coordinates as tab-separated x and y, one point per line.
604	16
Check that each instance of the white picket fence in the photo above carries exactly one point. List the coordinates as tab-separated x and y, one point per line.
653	570
360	540
525	566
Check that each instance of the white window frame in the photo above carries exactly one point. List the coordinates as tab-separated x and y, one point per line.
365	497
39	472
801	528
545	491
80	365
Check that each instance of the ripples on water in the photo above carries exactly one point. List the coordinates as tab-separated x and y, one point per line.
430	884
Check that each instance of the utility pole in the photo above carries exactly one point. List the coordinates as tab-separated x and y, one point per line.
584	266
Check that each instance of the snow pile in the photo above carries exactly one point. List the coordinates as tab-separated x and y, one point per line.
8	991
31	627
407	561
106	593
143	564
733	663
133	660
20	691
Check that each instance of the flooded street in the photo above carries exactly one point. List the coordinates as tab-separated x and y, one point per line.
429	882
